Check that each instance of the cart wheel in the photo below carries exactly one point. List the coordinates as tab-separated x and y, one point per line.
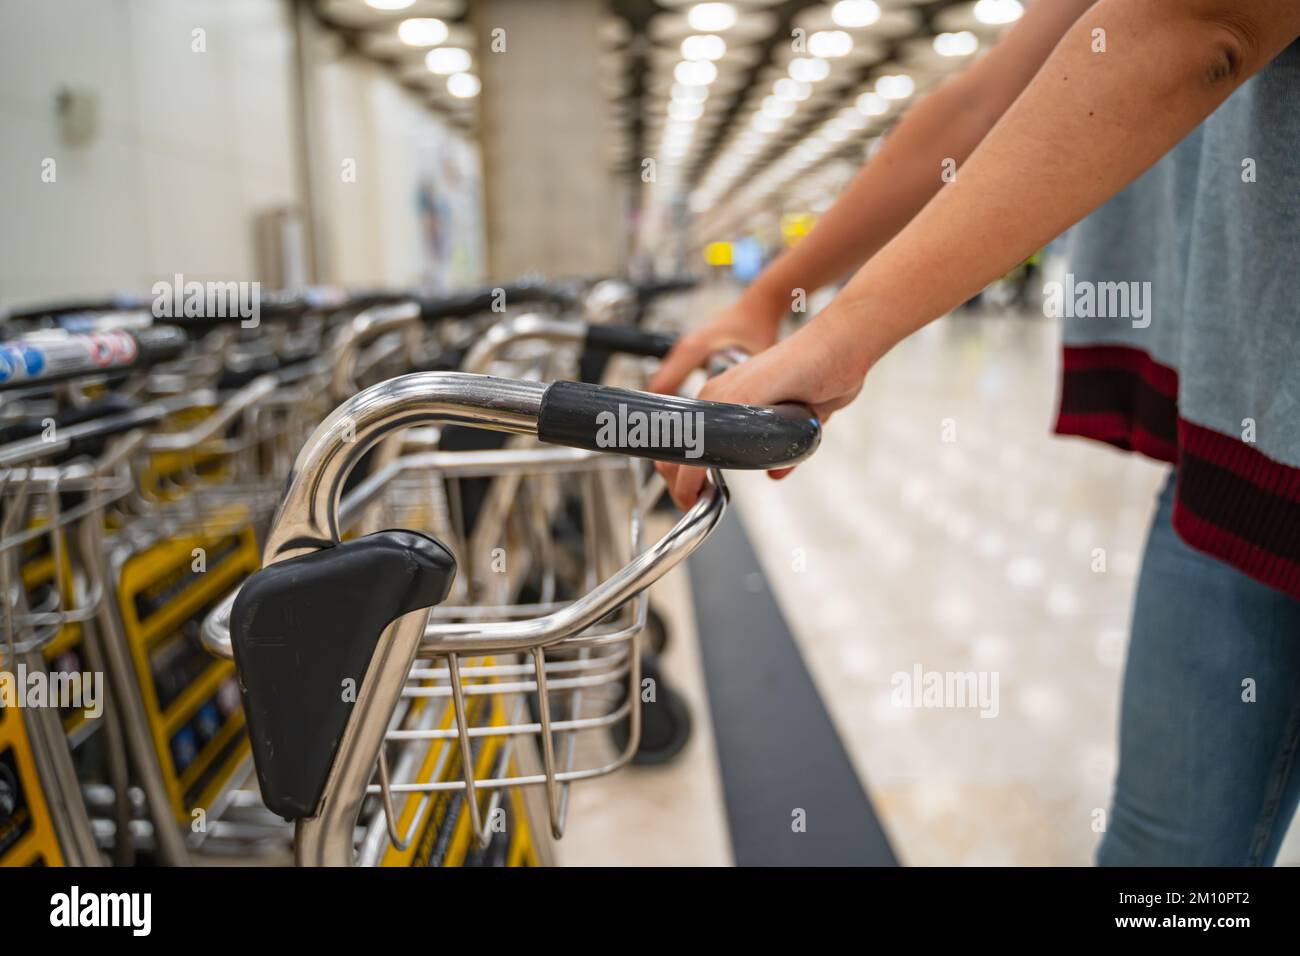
656	633
665	723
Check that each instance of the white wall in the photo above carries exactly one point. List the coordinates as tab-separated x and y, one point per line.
554	206
193	146
406	212
190	145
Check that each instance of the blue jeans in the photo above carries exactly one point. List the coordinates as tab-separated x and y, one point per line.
1206	778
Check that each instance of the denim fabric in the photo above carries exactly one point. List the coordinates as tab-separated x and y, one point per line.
1207	775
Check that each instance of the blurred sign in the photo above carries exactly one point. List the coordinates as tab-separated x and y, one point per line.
796	225
746	258
718	254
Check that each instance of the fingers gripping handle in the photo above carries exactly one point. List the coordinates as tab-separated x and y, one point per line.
683	430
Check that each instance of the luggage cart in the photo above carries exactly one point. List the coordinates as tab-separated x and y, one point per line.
178	534
205	479
338	651
57	728
227	410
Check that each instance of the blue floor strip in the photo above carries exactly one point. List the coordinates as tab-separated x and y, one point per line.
781	760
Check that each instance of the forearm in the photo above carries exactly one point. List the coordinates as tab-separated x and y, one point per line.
947	125
1086	126
885	194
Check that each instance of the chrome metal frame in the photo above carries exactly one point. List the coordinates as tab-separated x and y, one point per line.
311	517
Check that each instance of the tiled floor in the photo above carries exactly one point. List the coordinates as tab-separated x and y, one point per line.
658	816
945	528
941	527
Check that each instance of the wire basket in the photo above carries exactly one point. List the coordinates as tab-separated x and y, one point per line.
532	528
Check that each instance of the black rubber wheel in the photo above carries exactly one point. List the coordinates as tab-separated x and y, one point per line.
655	636
665	723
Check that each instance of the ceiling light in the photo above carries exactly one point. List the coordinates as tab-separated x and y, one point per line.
830	44
695	72
704	46
872	104
855	13
895	86
809	69
422	31
683	110
690	94
853	118
389	4
709	17
998	12
788	89
779	109
766	122
446	60
463	85
956	44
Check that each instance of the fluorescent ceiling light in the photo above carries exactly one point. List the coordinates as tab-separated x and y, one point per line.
809	69
872	104
695	72
792	90
956	44
830	44
855	13
704	46
463	85
998	12
711	17
897	86
422	31
447	60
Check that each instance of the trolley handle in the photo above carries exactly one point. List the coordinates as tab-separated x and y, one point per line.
687	431
556	330
43	359
655	288
32	425
365	327
628	340
85	438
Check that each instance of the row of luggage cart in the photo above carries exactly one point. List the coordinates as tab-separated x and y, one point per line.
361	582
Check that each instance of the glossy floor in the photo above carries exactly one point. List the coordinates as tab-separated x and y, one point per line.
940	529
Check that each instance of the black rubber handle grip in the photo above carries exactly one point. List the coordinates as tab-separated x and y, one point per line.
86	438
31	362
110	404
647	291
628	340
469	304
683	430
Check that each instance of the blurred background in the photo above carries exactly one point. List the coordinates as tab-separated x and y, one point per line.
445	145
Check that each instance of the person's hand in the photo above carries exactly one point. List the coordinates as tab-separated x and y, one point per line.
750	324
818	366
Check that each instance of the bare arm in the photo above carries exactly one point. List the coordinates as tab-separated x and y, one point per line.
1087	125
904	175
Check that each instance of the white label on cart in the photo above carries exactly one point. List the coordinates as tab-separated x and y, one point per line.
34	361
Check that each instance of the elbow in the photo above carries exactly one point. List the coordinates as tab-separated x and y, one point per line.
1226	35
1228	50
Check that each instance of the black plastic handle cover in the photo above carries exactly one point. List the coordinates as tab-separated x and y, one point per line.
301	630
628	340
466	305
683	430
653	289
